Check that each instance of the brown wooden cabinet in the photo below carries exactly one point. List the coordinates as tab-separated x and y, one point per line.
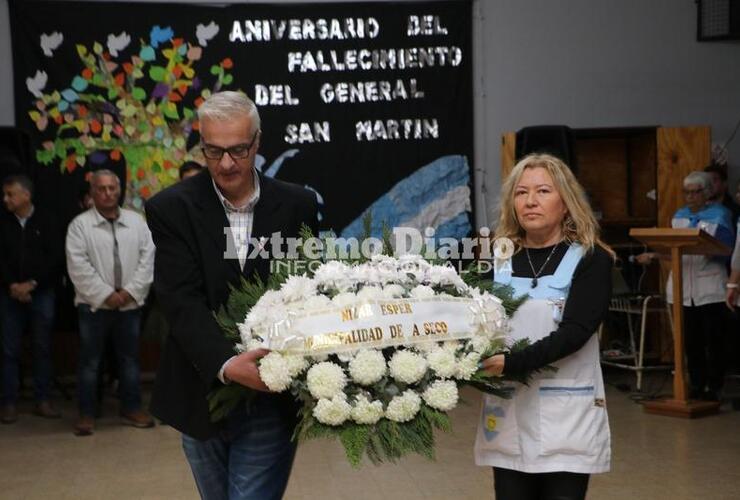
620	167
633	177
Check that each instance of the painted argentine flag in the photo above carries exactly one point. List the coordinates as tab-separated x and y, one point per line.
437	195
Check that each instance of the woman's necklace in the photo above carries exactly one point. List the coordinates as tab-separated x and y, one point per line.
537	273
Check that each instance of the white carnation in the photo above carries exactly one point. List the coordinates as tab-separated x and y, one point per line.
442	395
422	292
367	367
325	380
393	291
344	299
370	293
333	411
404	407
275	372
467	366
366	412
443	362
407	367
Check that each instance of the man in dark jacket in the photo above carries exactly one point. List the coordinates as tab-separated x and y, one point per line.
30	260
249	455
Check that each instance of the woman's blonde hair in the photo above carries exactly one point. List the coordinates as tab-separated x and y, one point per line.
579	223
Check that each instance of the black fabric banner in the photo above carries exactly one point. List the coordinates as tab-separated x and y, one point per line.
368	104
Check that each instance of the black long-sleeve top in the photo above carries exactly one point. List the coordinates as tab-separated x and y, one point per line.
34	252
585	307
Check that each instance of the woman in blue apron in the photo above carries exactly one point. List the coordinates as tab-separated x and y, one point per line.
545	440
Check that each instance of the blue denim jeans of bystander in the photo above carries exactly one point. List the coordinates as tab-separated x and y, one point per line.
124	326
16	317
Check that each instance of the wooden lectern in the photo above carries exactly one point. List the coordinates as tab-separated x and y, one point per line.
678	242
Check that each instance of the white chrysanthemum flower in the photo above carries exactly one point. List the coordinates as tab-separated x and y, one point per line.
426	347
296	364
325	380
253	344
344	299
333	274
467	365
245	331
370	293
443	362
333	411
393	291
346	357
407	367
367	367
365	411
404	407
422	292
412	259
297	288
316	302
441	395
275	372
270	298
451	345
364	274
480	342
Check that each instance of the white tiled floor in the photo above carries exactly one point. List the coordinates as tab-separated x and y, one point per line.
653	458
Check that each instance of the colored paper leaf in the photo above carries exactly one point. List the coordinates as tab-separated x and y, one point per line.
70	95
170	111
138	93
79	84
147	53
157	73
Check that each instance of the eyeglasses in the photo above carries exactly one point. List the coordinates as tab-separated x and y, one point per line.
693	192
237	151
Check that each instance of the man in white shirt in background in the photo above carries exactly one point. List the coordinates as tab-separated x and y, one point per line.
110	260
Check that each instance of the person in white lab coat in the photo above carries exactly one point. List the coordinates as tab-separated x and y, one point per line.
545	440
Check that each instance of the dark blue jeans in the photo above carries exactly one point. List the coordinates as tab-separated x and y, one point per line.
251	458
124	327
16	317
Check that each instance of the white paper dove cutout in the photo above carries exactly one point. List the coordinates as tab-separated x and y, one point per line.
116	43
36	84
49	43
206	32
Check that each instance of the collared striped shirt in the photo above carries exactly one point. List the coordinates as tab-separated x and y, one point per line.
241	219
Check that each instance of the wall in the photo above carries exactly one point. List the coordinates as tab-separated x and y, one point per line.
582	63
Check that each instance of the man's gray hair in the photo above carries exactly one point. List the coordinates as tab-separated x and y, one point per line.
97	174
701	179
226	105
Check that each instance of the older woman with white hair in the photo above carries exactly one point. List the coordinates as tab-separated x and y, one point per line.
704	279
